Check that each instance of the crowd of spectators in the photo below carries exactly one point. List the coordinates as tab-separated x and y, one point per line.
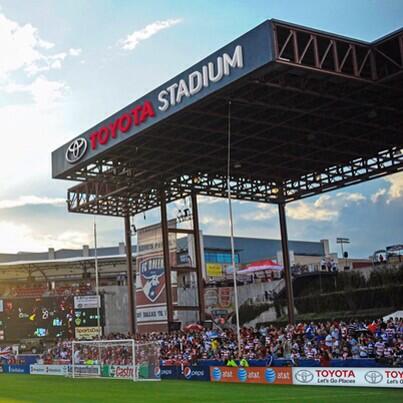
322	341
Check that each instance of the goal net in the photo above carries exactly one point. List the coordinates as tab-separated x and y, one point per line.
115	359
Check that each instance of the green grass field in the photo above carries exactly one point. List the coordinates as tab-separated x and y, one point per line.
48	389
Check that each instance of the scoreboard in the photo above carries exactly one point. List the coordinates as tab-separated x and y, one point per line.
85	316
48	317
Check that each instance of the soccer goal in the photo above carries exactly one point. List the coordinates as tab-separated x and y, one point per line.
115	359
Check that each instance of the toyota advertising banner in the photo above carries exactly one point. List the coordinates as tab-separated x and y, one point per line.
281	375
370	377
234	61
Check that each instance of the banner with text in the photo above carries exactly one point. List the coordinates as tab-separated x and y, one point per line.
150	278
38	369
87	301
262	375
369	377
214	270
219	304
87	333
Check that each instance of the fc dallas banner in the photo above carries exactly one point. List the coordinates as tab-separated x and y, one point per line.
150	278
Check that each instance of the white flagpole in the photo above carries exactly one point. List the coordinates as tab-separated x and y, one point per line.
97	280
231	224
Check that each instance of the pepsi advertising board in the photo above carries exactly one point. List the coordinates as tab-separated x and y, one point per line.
167	372
195	373
188	373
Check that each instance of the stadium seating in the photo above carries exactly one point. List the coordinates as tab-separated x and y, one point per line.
349	343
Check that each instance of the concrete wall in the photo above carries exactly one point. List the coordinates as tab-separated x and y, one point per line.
116	309
116	302
187	295
255	291
267	316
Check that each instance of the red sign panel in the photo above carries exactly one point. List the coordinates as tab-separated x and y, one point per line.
281	375
122	124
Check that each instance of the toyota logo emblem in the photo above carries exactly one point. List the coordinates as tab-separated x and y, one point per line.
76	150
304	376
373	377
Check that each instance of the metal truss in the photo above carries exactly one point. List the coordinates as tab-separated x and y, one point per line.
328	115
96	198
297	46
359	170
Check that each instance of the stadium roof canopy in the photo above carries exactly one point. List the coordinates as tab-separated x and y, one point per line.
309	112
54	263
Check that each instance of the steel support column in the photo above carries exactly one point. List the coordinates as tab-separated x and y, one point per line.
167	263
286	262
129	258
196	232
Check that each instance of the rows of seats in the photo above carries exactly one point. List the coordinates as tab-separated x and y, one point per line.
30	292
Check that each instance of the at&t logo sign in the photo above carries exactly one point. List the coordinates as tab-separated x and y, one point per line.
270	375
242	374
76	150
217	374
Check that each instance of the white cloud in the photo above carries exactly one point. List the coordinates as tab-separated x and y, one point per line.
215	224
23	50
70	239
20	46
32	116
338	200
57	64
46	63
30	200
75	51
307	211
396	186
264	212
24	238
45	93
210	200
392	192
30	132
325	208
378	195
212	219
148	31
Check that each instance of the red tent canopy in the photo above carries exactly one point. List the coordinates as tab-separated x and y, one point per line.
261	265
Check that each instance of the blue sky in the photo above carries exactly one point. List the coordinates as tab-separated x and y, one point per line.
64	66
